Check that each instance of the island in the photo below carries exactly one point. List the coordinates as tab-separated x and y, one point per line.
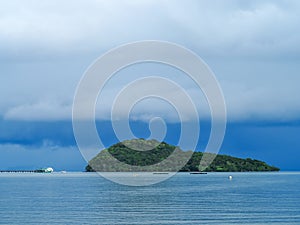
149	156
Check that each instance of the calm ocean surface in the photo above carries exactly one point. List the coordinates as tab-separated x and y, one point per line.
87	198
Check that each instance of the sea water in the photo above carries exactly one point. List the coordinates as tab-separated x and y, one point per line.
87	198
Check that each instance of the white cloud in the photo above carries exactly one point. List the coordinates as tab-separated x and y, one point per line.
260	103
233	27
212	26
39	111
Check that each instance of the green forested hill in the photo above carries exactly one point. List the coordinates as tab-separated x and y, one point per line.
148	160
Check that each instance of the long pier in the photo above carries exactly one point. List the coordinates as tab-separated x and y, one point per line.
47	170
18	171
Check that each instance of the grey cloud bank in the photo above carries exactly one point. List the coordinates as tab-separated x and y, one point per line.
253	48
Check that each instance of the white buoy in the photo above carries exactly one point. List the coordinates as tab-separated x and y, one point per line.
230	177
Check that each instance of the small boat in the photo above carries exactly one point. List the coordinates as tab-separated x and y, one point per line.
160	173
198	173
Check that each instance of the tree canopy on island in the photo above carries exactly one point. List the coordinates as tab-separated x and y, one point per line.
150	156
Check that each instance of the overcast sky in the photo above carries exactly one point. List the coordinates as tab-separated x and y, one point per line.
253	47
